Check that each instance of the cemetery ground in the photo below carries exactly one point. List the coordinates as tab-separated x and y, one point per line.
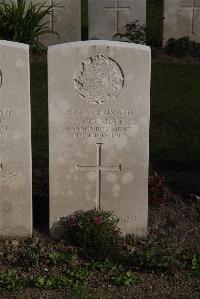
167	264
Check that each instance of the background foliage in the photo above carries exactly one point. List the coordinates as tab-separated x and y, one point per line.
25	23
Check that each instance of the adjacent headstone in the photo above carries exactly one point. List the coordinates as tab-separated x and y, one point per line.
65	20
181	18
108	17
99	130
15	141
9	1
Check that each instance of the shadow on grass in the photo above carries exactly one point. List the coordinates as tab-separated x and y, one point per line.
175	126
39	106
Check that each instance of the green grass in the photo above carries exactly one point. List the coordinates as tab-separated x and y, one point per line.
175	108
39	106
39	96
175	126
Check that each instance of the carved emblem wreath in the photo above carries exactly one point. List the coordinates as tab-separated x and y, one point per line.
99	79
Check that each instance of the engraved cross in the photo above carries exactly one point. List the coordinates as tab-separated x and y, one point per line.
51	13
99	168
117	9
194	6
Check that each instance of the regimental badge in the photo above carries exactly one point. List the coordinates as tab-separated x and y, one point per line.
99	79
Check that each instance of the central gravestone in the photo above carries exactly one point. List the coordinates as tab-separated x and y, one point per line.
99	130
15	141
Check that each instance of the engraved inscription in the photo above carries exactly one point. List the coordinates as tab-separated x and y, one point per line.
4	173
101	112
99	80
128	218
100	123
99	168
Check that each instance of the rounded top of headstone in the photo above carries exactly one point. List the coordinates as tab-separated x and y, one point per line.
99	79
97	43
12	44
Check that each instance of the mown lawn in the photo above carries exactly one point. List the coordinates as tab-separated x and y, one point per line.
175	125
39	106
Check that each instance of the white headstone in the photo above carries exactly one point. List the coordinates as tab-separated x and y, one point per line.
181	18
99	94
9	1
65	20
15	140
108	17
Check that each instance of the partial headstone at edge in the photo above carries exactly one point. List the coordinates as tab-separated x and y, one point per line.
108	17
181	19
66	21
99	102
15	141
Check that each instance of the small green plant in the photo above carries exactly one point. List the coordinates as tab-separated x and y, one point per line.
182	47
62	258
31	257
197	288
80	289
51	282
78	274
11	281
191	262
126	279
95	231
135	33
75	278
78	279
160	256
104	266
24	22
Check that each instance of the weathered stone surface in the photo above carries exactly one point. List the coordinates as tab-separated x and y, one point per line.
66	21
99	130
9	1
181	18
15	140
108	17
